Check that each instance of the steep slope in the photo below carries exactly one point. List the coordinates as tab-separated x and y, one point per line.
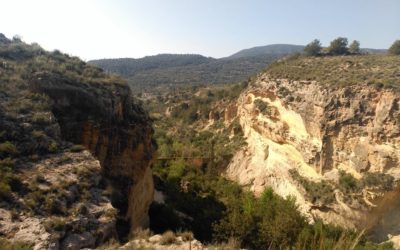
325	130
49	102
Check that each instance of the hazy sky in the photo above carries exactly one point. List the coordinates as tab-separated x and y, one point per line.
121	28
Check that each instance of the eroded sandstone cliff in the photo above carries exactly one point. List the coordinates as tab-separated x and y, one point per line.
104	118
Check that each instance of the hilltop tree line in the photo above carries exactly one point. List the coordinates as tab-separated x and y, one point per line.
339	46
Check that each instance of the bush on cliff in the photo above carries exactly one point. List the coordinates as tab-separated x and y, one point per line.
320	193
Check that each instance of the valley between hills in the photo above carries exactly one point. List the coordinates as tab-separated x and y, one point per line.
271	148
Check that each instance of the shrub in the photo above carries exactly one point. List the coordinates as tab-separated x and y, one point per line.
261	105
7	149
84	173
269	221
168	238
384	181
77	148
54	223
64	159
318	192
354	47
5	190
7	178
35	199
112	213
15	245
14	214
326	236
176	170
52	147
347	183
42	118
313	48
53	204
338	46
186	235
83	210
395	48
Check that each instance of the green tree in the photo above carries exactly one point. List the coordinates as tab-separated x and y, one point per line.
313	48
338	46
176	170
395	48
268	222
354	47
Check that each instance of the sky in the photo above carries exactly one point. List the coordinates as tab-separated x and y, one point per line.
131	28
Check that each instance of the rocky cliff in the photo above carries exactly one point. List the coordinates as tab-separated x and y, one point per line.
52	108
335	148
104	119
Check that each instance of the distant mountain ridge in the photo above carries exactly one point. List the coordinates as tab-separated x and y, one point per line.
161	69
129	66
373	51
268	50
175	69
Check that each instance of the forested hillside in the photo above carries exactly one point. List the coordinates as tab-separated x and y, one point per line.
166	69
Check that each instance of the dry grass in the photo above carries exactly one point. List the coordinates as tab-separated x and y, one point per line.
232	244
186	235
378	70
141	234
15	245
168	238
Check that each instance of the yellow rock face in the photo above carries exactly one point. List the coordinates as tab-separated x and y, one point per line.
317	132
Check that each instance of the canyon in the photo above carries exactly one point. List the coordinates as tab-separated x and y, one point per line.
80	164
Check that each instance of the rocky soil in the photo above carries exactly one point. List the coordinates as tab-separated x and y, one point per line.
69	186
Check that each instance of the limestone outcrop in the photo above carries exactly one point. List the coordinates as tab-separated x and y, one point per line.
321	133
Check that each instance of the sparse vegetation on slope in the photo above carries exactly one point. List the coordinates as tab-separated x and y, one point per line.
319	193
19	62
376	70
51	190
